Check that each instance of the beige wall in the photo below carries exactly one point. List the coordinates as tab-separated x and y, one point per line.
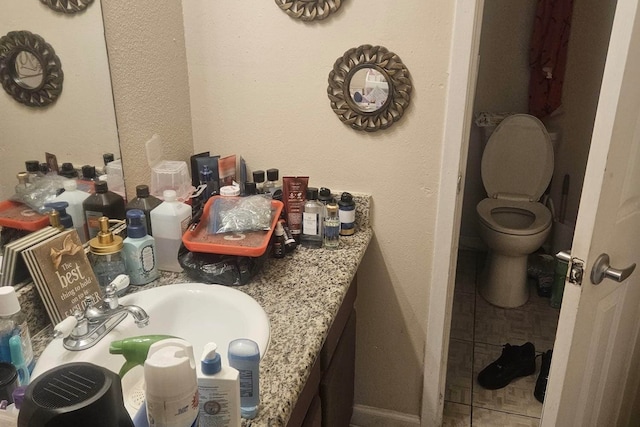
80	126
258	84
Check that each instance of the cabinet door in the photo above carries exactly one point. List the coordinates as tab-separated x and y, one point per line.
336	386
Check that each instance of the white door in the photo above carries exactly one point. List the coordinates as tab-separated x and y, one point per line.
595	370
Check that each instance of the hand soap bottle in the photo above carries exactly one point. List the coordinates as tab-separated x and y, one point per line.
219	390
139	250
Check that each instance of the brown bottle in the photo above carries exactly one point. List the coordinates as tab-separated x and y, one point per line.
102	203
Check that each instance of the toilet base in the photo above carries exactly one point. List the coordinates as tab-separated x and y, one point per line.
504	280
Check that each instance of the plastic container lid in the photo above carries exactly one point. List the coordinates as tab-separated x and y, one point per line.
102	187
273	174
258	176
142	190
88	171
169	195
9	304
32	165
312	193
169	371
230	190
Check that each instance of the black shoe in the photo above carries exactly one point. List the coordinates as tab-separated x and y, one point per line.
543	377
515	361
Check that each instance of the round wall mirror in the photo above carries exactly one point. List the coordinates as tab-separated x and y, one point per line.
67	6
30	70
369	88
309	10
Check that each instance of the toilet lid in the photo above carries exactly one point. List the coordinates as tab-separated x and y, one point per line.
517	162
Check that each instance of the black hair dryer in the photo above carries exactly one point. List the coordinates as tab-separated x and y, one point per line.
75	394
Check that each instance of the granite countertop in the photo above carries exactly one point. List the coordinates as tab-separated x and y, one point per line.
300	293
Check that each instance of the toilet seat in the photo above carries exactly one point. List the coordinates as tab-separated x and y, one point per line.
517	163
518	218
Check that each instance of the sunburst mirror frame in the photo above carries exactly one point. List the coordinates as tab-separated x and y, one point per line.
50	86
309	10
67	6
393	70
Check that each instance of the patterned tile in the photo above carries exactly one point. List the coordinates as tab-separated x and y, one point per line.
459	372
488	418
456	415
495	325
515	398
463	316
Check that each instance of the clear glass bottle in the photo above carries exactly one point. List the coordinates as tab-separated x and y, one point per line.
105	255
33	169
312	216
272	183
331	227
23	186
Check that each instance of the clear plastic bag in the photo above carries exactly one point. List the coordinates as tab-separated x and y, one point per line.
237	214
42	191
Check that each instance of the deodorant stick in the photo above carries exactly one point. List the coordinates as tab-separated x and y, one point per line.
244	355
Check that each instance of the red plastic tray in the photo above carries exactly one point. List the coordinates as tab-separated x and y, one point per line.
20	216
251	243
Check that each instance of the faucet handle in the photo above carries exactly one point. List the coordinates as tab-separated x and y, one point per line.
64	328
118	284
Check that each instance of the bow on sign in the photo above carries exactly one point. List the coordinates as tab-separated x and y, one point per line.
68	248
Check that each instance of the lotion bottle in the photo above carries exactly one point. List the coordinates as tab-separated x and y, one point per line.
219	391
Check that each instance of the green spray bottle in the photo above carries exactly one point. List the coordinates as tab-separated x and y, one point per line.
135	350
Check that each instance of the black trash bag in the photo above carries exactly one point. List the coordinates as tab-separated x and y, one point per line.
229	270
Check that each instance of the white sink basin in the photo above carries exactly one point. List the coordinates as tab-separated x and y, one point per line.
195	312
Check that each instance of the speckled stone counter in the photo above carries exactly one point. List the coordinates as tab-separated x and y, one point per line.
300	293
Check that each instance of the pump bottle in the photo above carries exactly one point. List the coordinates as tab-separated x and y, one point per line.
219	391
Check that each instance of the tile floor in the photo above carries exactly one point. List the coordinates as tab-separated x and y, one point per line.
478	332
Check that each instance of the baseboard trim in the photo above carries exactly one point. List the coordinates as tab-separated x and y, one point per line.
367	416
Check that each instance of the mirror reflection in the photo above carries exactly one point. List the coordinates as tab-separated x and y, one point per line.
28	70
369	89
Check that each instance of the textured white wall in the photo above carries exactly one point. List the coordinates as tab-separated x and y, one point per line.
81	125
258	81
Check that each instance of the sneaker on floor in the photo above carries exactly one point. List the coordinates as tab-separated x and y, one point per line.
515	361
543	377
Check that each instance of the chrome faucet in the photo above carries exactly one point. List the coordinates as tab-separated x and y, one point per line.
85	328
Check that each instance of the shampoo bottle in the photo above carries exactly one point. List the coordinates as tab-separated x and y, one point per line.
219	391
169	221
244	355
139	250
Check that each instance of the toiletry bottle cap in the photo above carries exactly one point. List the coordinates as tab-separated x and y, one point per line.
61	207
324	195
32	165
105	242
279	231
108	157
169	371
88	171
312	193
250	188
272	174
70	185
136	224
258	176
346	199
169	195
9	304
210	363
142	190
101	186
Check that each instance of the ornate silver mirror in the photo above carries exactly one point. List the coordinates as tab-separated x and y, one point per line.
309	10
67	6
369	88
30	70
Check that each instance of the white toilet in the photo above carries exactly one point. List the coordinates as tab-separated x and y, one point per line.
517	165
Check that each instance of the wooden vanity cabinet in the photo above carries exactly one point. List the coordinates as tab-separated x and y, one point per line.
327	397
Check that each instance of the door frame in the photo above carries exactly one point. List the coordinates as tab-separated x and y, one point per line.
463	67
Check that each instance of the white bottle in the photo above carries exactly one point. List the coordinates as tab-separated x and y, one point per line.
219	390
171	395
75	197
169	222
